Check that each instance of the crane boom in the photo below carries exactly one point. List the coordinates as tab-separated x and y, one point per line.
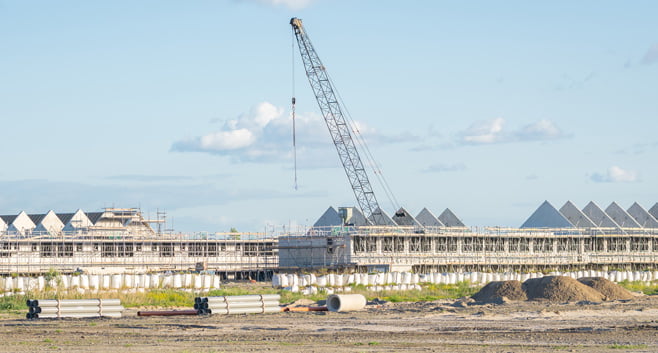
338	127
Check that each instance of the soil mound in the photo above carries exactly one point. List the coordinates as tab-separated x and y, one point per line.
609	289
560	289
495	291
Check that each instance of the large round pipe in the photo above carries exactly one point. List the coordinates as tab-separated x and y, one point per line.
346	302
73	302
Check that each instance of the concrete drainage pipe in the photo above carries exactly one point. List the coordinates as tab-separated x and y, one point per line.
346	302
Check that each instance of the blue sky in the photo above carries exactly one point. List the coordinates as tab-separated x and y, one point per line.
488	108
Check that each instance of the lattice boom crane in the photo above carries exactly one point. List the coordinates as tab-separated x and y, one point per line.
338	127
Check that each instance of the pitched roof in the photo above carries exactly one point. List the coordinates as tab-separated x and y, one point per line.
49	223
576	216
449	219
654	211
428	219
330	217
621	217
36	218
65	217
404	218
600	218
641	216
547	216
354	216
384	217
9	218
94	216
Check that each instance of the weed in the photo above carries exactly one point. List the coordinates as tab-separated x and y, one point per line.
627	346
638	286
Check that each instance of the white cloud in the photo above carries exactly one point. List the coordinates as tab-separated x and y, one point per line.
482	132
615	174
494	131
264	134
651	56
291	4
541	130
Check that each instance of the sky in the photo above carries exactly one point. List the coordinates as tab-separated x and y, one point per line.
486	108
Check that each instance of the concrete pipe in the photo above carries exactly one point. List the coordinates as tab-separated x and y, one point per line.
249	304
242	298
74	302
75	315
76	309
268	297
251	310
345	302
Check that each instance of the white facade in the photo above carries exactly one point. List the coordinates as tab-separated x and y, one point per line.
77	222
21	225
49	224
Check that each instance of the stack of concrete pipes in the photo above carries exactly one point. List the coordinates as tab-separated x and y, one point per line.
76	308
238	304
400	281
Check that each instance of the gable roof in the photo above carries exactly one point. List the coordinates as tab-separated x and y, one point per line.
36	218
78	221
8	219
449	219
94	216
49	223
426	218
576	216
654	211
353	216
642	217
404	218
65	217
21	224
386	218
621	217
330	217
547	216
600	218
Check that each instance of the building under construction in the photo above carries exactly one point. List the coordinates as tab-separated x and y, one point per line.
121	240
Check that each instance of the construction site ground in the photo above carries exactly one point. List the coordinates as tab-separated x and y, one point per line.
439	326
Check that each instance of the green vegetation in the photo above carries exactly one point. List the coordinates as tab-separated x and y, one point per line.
637	286
178	298
628	346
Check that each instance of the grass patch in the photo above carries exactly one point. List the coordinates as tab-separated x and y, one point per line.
167	298
430	292
628	346
637	286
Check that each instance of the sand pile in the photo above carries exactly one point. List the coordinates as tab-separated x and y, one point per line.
555	289
495	291
560	289
609	289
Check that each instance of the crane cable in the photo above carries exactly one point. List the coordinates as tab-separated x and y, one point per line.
361	141
294	142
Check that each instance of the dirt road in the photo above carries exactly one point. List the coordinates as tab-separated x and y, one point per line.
443	326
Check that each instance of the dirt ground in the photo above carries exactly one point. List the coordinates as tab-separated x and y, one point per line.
441	326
